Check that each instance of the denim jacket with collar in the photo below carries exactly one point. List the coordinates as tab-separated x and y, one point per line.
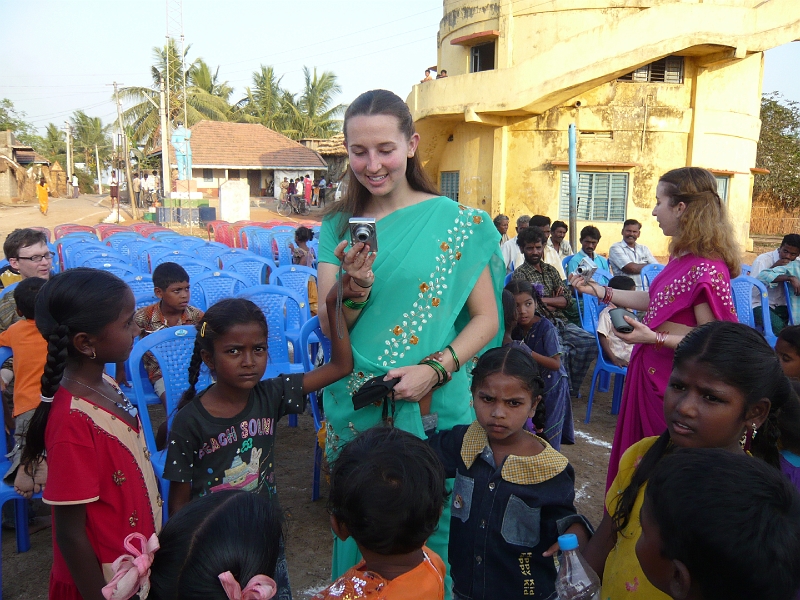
503	519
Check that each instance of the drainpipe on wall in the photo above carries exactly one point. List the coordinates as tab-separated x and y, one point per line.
573	187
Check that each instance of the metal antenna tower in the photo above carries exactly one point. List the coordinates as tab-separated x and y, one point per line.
176	81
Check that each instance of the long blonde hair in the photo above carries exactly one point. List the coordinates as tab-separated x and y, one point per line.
704	229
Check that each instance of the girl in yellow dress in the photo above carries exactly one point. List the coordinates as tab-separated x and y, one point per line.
42	191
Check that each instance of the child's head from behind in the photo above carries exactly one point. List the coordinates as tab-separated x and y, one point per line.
230	531
720	526
506	390
622	282
726	379
387	491
171	285
232	342
509	310
25	296
303	234
788	349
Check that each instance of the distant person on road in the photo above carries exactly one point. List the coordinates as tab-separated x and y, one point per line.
42	191
284	188
292	189
307	187
76	189
322	185
113	184
137	189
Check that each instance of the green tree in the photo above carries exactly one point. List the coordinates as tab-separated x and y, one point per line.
14	120
54	145
779	152
265	102
199	76
143	117
89	132
317	116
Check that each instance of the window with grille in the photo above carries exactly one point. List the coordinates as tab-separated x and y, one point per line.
450	184
208	175
601	196
666	70
481	57
722	186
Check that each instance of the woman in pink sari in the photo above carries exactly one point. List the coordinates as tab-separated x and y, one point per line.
693	289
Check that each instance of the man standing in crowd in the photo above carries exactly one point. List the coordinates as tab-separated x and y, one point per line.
580	345
590	237
550	256
558	231
76	190
787	253
511	252
629	258
501	224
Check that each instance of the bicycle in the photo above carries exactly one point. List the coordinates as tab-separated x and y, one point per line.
294	203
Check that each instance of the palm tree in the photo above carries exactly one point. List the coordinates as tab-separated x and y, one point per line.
265	102
318	117
54	144
201	104
199	75
88	133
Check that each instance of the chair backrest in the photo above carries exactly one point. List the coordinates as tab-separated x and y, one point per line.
280	245
174	255
65	228
294	277
602	276
209	288
145	299
68	248
115	240
140	284
106	231
312	328
172	347
255	269
746	269
283	229
187	243
259	241
84	254
591	313
741	290
650	272
232	253
247	235
111	265
565	262
788	292
273	301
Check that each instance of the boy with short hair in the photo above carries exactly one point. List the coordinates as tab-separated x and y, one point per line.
616	351
718	525
590	237
30	352
171	286
387	492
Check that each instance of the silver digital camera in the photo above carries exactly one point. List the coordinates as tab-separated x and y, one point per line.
586	269
363	229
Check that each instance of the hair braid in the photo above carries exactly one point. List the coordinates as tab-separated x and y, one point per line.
57	344
194	373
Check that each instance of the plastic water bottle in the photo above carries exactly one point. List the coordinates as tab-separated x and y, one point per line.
576	580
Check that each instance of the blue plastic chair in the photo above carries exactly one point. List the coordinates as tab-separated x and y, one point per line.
133	249
295	278
7	492
788	291
745	269
256	269
283	229
273	301
83	255
232	253
741	290
649	273
602	366
249	236
7	290
115	240
209	251
507	280
259	241
114	266
172	348
311	337
187	243
565	262
150	253
211	287
67	248
280	243
139	284
145	299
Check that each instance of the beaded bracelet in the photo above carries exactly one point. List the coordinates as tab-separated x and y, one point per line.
455	357
350	303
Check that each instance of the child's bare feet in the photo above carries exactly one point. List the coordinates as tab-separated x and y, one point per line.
27	484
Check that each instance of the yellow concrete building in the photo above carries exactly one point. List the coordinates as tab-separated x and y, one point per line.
650	84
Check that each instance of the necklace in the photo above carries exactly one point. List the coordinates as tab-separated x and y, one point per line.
124	405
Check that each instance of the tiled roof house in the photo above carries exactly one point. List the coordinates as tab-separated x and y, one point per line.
223	151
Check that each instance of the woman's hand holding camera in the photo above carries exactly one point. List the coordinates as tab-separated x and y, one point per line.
584	287
357	262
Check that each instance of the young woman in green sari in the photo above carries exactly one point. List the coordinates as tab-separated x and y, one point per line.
433	289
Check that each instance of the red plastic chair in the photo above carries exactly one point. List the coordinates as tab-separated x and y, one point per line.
65	228
46	231
211	228
106	230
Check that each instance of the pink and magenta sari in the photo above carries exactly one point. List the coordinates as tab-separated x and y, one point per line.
686	282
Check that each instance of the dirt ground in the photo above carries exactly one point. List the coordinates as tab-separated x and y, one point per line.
309	540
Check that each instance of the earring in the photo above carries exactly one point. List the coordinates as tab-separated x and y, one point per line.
94	354
755	431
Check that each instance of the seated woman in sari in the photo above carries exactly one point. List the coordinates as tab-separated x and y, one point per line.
431	288
693	289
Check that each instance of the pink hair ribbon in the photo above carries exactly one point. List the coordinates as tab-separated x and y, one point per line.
132	571
260	587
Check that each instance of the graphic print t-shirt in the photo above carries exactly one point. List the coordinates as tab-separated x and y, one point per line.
236	453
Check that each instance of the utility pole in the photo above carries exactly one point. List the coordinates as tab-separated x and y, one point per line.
68	129
134	208
99	178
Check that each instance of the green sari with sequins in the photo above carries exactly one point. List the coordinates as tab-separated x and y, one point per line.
430	256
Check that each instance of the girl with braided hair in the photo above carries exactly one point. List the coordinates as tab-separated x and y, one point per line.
100	481
223	437
726	390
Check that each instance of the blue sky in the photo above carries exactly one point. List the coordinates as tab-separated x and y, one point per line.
60	55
